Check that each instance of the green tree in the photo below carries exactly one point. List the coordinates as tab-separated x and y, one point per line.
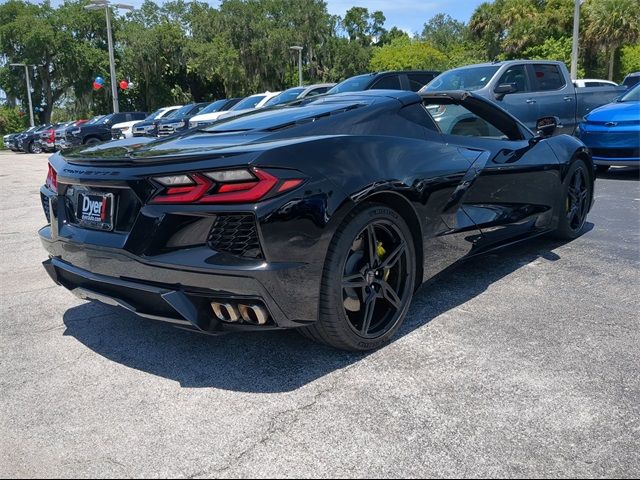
611	24
442	31
11	121
363	27
405	54
630	59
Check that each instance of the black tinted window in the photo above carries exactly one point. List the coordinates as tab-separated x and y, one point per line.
516	75
390	82
416	113
418	80
548	77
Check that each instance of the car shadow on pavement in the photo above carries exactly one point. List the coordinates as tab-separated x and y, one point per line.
280	361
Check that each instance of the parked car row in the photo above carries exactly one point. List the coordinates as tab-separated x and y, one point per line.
536	92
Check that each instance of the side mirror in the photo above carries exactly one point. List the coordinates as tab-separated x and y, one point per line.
547	126
505	89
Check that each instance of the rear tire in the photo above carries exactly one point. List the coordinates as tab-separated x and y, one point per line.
365	292
577	195
91	141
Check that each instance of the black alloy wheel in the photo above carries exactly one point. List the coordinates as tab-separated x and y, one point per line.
375	278
368	281
576	201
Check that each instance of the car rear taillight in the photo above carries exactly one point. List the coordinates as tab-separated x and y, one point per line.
228	186
52	179
52	136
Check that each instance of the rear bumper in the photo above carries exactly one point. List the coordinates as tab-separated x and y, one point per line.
166	292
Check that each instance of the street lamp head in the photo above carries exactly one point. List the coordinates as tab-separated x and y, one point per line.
296	47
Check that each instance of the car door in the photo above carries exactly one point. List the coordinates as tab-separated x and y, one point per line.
522	104
511	188
555	96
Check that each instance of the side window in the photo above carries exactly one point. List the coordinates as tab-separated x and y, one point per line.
389	82
418	80
516	75
453	119
416	113
548	77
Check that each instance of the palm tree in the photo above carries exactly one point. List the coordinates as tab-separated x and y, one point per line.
612	23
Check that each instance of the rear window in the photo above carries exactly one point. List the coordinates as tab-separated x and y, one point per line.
278	117
548	77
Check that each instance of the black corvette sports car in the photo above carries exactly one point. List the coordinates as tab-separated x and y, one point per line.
325	216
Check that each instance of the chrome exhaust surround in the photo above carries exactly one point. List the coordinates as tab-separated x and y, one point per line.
225	312
253	314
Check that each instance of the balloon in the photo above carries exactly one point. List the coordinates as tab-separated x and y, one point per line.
124	84
99	80
96	86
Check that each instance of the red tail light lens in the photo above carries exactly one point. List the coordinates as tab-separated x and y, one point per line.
52	179
52	136
232	186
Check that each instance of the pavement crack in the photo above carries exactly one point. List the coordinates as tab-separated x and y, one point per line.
276	426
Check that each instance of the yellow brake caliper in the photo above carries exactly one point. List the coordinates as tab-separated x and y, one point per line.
382	252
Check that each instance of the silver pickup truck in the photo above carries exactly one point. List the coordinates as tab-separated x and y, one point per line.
531	90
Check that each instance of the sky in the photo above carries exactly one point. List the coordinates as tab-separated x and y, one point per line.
408	15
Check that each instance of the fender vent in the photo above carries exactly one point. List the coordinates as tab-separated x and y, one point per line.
236	234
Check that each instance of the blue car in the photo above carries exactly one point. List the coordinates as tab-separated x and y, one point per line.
612	132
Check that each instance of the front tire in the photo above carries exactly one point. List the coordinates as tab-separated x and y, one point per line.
367	282
577	195
89	142
33	148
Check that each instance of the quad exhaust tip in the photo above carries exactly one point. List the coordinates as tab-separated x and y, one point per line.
254	314
225	312
251	314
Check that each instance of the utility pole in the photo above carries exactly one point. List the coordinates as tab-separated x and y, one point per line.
299	49
26	72
576	37
106	4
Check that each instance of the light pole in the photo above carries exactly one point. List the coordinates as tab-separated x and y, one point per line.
106	4
26	72
299	49
576	35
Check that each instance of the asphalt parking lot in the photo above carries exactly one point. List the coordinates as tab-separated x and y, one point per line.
524	363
